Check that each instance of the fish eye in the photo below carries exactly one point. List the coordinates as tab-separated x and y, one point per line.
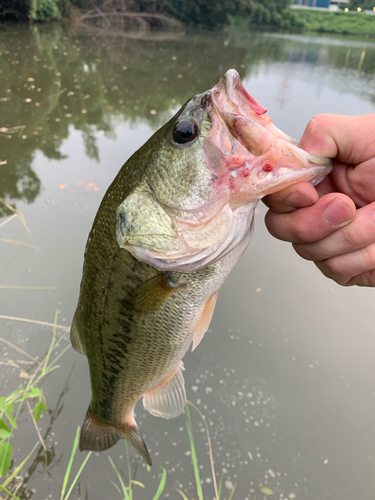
185	131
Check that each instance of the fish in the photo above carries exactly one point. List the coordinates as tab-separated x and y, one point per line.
170	228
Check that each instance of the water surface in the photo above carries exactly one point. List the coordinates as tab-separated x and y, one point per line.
285	375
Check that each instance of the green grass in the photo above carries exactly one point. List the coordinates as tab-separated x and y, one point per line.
126	491
69	468
339	22
31	396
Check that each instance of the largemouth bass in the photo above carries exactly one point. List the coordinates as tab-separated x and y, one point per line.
170	228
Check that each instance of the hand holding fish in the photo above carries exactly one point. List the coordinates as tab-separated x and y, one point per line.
333	225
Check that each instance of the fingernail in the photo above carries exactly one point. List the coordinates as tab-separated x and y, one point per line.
337	212
298	200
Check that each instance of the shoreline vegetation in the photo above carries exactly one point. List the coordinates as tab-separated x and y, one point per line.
241	14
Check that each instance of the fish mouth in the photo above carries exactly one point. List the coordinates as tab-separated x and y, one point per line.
230	95
245	118
249	154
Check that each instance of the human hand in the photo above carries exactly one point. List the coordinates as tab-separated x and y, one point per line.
333	224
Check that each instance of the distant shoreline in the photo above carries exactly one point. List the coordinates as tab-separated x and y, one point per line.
336	22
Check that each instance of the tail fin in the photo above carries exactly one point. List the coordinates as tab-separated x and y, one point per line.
99	436
134	437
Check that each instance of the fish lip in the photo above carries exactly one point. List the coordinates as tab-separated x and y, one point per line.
234	90
230	79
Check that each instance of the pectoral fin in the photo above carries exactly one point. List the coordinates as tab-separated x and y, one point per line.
168	399
204	320
150	294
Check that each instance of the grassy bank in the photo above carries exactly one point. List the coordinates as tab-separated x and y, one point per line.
343	23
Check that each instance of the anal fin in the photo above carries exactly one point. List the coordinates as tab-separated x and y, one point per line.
204	320
168	399
75	337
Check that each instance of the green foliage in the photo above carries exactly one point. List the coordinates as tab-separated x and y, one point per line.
5	454
200	13
14	9
40	10
11	405
194	457
277	14
197	13
363	4
4	430
38	408
127	491
69	468
345	23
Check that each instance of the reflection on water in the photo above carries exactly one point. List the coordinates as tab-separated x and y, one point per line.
280	375
52	79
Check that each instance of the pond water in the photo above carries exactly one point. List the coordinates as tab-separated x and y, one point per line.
286	375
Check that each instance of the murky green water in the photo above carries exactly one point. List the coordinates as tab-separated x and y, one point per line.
286	374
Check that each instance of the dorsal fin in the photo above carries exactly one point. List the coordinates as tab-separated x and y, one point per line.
75	336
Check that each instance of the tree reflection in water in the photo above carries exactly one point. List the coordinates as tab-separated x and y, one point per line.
53	78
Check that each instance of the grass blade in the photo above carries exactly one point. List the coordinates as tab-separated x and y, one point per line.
8	492
193	454
124	490
77	475
117	488
70	463
16	471
161	485
219	488
129	470
232	492
217	496
182	494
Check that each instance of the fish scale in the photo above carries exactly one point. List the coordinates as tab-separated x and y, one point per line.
171	227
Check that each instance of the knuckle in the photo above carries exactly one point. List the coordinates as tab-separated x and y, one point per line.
304	250
318	121
301	232
333	269
369	255
348	236
271	224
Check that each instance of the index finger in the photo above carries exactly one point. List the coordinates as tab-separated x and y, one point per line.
350	139
313	223
299	195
